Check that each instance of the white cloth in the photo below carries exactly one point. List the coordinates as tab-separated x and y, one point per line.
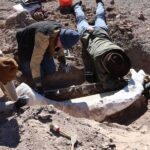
96	106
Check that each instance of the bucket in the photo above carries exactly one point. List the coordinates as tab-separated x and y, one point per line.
65	3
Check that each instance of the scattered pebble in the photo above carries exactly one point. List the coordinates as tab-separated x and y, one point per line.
44	116
144	129
141	16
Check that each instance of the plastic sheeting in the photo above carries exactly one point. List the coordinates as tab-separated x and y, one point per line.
96	106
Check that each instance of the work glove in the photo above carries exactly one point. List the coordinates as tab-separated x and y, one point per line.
8	69
65	67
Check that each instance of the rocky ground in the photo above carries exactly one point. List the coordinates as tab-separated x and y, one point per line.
129	24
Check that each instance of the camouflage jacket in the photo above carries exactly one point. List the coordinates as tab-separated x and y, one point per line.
98	42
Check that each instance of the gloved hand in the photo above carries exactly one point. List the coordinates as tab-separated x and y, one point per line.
65	67
39	90
8	69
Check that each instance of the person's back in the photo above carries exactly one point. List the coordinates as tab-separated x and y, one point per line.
26	37
98	42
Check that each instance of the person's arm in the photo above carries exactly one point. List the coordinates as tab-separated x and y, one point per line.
40	46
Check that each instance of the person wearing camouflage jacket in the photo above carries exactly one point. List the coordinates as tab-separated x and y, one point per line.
110	61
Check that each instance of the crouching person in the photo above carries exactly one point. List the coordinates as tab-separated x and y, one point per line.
37	45
8	70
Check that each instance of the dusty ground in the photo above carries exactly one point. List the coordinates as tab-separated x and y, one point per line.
29	128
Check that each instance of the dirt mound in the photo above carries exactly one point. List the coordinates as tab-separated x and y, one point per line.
30	129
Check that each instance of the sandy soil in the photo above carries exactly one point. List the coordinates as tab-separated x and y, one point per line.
29	128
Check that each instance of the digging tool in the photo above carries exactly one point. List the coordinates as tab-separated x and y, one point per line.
56	129
73	137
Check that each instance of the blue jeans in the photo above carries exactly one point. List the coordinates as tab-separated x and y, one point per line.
47	67
82	24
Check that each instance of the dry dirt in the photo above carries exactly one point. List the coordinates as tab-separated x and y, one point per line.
29	128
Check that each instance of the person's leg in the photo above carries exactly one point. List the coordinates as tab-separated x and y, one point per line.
81	21
48	66
100	21
102	75
25	68
26	74
108	82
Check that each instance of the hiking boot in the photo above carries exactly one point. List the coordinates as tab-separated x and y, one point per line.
21	101
114	84
77	3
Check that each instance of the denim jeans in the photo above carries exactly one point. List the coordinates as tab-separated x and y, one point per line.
82	24
47	67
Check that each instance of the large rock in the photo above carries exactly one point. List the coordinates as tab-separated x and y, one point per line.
19	18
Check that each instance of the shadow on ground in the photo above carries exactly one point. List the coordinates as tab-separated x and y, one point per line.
9	132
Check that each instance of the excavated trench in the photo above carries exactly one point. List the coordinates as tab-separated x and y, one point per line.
75	85
80	80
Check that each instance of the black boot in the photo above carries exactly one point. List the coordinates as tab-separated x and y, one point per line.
99	1
21	101
77	3
146	92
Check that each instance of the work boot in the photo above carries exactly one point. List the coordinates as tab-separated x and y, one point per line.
77	3
21	101
99	1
